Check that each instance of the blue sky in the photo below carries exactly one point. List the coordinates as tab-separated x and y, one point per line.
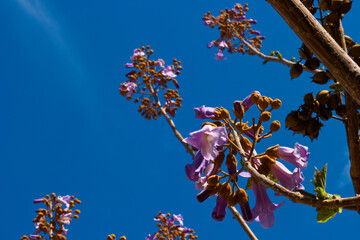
66	129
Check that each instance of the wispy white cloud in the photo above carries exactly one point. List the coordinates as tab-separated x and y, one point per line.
37	10
344	178
60	39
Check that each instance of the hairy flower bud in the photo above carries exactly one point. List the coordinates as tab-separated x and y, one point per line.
275	126
213	180
225	190
263	102
265	116
276	104
224	113
238	110
255	97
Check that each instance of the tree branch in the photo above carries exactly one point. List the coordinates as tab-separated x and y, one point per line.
310	31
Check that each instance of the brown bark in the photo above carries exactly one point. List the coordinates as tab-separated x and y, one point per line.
310	31
337	61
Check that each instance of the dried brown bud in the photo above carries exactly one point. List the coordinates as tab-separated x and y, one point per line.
232	199
312	63
265	116
313	128
246	144
355	51
275	126
122	238
219	159
225	190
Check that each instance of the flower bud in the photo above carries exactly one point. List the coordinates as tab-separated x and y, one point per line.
275	126
265	116
313	128
276	104
238	110
213	180
242	196
224	113
225	190
245	143
255	97
232	199
263	102
231	160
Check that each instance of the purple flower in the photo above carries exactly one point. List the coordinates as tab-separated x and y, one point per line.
290	180
252	21
263	211
207	139
255	32
129	87
167	71
203	195
137	52
160	63
39	200
219	56
194	171
207	22
247	103
129	65
175	218
204	112
65	200
222	44
151	237
219	211
298	156
211	44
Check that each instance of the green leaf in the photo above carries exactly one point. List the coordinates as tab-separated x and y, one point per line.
292	59
320	192
320	177
325	215
336	87
272	53
248	184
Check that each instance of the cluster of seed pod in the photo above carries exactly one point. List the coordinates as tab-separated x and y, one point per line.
232	23
306	119
150	80
53	219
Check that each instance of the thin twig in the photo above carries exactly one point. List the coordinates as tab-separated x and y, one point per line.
242	222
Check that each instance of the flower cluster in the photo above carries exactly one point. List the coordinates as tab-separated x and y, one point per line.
149	77
171	228
222	139
51	220
234	29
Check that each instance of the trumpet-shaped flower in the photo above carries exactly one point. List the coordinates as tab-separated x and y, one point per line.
204	112
290	180
263	211
298	156
168	72
207	140
137	52
219	211
247	103
128	87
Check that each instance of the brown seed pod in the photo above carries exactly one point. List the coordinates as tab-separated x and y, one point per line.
323	97
276	104
265	116
320	78
312	63
296	70
355	51
309	99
